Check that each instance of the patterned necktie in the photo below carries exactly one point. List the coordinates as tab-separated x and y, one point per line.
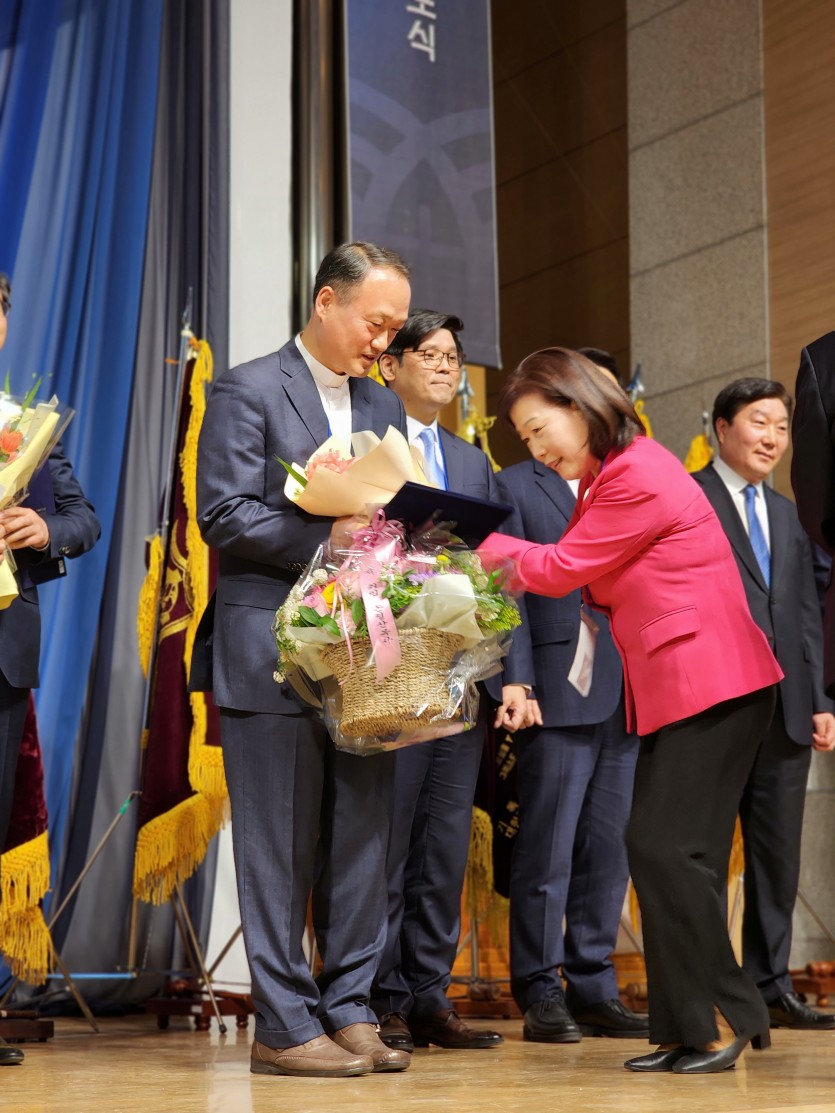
433	472
756	535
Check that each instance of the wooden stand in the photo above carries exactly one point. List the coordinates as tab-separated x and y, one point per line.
816	980
24	1026
184	997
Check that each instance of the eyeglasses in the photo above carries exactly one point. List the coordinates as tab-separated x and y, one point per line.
5	305
432	358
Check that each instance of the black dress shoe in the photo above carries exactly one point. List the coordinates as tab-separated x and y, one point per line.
658	1060
549	1021
713	1062
9	1056
791	1011
612	1018
446	1029
394	1032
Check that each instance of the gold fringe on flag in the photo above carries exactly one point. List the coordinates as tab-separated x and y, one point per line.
24	938
205	763
474	427
699	454
147	608
640	410
171	846
483	902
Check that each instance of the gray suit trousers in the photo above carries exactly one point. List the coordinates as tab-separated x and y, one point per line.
307	819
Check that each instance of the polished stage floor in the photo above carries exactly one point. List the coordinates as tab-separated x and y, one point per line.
132	1066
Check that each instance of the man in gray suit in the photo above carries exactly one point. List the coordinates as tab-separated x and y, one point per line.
307	818
751	419
435	781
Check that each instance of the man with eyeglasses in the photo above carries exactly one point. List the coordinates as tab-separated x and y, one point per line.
434	782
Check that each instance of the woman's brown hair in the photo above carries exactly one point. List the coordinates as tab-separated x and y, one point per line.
565	378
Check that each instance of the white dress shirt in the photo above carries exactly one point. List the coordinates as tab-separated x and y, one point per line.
335	392
736	485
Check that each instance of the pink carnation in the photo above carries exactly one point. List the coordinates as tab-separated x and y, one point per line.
330	460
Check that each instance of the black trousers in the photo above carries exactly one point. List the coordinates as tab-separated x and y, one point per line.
689	782
771	813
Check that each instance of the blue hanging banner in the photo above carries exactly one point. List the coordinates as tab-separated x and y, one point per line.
420	152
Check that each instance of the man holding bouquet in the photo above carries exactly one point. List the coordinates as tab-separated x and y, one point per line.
435	782
40	536
307	818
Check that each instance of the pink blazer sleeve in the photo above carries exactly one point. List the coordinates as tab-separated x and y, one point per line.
622	514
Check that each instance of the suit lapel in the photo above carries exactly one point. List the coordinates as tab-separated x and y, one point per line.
302	393
555	489
364	414
454	460
728	515
778	534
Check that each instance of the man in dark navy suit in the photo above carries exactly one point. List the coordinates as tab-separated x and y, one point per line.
40	538
575	771
774	556
435	781
306	818
813	471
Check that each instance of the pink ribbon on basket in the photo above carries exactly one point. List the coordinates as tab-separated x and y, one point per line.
378	543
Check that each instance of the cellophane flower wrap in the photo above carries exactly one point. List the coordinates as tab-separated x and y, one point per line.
340	480
389	637
29	431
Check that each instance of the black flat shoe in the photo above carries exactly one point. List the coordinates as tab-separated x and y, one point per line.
9	1056
713	1062
658	1060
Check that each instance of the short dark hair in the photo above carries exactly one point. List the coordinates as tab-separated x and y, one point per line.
602	358
349	263
420	323
565	378
742	392
5	292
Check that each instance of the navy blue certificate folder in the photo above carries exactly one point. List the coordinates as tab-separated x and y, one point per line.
471	519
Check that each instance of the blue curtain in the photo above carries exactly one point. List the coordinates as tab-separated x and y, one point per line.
78	90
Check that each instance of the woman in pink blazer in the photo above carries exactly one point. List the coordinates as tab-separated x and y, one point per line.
649	552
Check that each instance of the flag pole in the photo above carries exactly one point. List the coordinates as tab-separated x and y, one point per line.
186	335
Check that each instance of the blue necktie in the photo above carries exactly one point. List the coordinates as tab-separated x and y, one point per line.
433	471
756	535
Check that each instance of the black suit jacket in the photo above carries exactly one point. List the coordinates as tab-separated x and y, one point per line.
813	467
256	412
789	613
73	529
544	504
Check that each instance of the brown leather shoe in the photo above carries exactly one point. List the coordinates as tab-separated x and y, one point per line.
447	1029
394	1032
362	1039
318	1058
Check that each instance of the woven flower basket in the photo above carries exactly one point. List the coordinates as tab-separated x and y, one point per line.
413	694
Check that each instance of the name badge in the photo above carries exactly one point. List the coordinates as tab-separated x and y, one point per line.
582	667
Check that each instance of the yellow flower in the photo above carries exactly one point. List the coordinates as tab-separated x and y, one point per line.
442	558
327	593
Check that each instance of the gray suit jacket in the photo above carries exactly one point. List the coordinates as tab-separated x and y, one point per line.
256	412
788	614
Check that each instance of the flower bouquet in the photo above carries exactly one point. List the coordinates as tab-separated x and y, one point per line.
333	483
389	638
28	433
